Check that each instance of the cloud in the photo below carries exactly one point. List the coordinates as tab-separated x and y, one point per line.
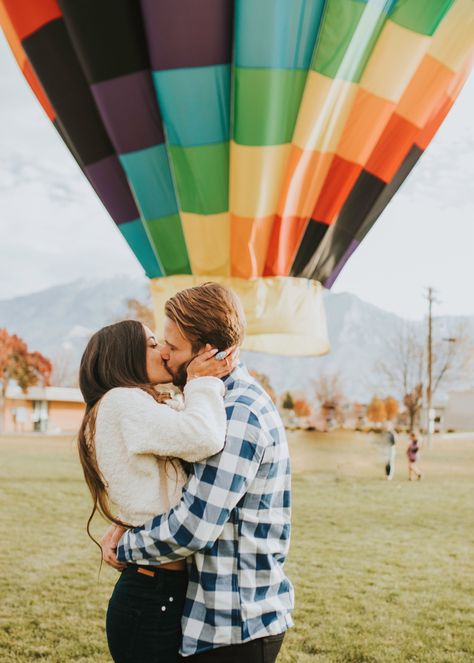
54	228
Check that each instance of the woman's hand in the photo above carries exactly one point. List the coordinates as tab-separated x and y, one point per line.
206	365
109	543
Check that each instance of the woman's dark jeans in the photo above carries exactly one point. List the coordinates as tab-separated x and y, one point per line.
144	616
262	650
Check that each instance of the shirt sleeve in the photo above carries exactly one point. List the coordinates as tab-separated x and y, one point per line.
193	433
213	490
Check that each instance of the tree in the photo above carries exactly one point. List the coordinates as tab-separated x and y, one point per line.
391	408
18	363
413	402
302	408
404	369
328	391
376	410
65	372
137	310
453	354
358	413
265	382
288	402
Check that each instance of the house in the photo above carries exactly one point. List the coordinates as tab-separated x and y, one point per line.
41	409
459	411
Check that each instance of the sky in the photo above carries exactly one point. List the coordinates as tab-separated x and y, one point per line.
54	229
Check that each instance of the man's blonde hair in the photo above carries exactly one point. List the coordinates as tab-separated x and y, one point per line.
208	313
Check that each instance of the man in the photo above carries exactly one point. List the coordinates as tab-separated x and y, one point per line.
233	520
390	441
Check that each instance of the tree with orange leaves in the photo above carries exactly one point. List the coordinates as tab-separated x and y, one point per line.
391	408
376	410
302	408
18	363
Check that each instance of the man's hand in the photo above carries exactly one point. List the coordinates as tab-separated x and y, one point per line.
109	543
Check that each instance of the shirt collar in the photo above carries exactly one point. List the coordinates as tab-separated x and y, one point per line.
240	372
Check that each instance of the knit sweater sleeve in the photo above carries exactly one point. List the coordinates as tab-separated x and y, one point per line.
147	427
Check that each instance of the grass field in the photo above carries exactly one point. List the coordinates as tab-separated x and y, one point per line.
383	571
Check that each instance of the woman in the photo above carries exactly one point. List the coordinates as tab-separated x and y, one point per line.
412	456
129	443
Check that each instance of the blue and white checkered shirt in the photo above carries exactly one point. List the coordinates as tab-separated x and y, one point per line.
233	525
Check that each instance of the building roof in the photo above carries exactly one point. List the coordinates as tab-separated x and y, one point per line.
57	394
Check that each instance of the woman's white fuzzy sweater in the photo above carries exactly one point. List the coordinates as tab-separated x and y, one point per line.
134	435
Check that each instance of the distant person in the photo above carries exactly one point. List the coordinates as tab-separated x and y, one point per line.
20	416
129	445
412	455
391	441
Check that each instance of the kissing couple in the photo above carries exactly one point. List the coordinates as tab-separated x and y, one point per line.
197	493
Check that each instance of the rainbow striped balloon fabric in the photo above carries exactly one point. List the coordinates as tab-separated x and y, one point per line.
246	139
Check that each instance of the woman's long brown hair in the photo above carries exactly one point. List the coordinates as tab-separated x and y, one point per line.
114	357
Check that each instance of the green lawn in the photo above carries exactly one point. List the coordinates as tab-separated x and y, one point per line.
383	571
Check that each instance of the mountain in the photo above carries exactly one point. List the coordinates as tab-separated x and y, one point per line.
58	322
358	332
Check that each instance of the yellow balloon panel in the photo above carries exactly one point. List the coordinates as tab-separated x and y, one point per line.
256	174
324	110
455	36
395	59
208	242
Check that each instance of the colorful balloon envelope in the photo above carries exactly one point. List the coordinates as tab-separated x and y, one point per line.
253	142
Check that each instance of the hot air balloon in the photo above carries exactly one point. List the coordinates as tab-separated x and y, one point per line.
249	142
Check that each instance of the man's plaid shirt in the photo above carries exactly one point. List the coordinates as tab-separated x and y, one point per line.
233	525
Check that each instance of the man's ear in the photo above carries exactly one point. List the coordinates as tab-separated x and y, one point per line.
205	348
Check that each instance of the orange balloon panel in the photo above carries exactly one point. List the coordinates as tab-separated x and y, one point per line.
249	244
393	146
340	179
28	17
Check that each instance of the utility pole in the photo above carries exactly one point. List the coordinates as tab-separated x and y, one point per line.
429	387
